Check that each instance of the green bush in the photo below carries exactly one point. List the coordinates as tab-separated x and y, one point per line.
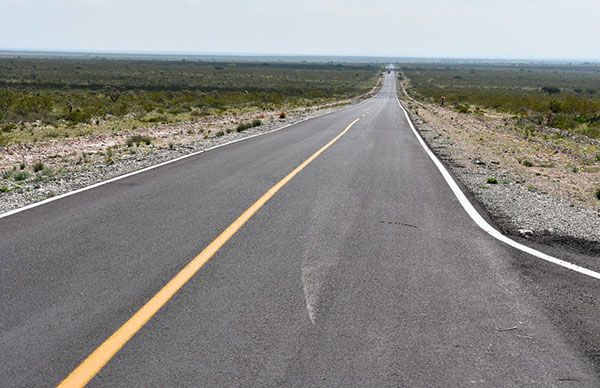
77	116
243	126
492	181
20	176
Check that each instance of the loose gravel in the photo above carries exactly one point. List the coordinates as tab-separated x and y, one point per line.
543	200
73	175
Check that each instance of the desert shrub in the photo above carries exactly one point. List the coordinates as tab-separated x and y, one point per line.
38	166
527	163
243	126
77	116
137	140
9	127
492	180
463	108
80	91
551	89
20	176
564	102
554	106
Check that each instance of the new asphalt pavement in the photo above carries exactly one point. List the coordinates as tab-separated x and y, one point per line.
362	270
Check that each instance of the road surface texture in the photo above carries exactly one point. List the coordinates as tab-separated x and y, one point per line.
363	270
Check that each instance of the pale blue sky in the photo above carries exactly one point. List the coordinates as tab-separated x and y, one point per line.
565	29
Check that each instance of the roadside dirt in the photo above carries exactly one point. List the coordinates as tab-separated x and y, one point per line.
73	163
543	181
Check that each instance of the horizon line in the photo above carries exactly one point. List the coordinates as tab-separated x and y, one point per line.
289	55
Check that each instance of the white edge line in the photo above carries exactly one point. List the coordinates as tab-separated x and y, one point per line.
479	220
127	175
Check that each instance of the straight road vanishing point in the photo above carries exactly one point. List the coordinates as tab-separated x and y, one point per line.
333	252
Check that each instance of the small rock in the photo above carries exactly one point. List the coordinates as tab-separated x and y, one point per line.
478	162
525	233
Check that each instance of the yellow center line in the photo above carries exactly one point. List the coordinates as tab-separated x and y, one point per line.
86	371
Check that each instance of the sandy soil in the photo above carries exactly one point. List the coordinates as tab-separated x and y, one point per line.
546	179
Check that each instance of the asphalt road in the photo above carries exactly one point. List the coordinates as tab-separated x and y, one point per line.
363	270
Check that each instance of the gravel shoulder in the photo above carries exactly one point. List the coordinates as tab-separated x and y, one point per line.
71	164
535	185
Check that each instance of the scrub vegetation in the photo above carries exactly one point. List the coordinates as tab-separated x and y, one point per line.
560	96
530	131
45	98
